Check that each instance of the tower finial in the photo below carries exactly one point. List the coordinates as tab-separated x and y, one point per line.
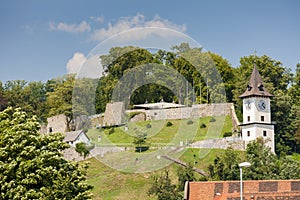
255	57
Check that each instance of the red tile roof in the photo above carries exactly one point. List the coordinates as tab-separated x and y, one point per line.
230	190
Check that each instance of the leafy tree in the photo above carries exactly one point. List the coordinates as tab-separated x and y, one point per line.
30	97
3	101
185	174
163	188
225	166
81	148
140	140
59	101
227	74
32	165
263	161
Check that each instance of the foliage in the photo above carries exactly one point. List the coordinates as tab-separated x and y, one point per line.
32	165
225	166
163	188
185	174
227	134
202	125
264	164
189	122
148	126
82	149
169	124
133	114
140	141
111	131
212	119
59	100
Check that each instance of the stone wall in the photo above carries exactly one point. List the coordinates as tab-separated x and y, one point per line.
57	123
114	114
220	143
196	111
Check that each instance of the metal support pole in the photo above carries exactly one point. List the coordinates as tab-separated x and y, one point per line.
241	183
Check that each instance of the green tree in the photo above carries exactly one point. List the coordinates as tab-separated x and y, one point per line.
225	166
163	188
140	141
3	101
263	161
115	64
59	101
185	174
32	165
227	74
81	148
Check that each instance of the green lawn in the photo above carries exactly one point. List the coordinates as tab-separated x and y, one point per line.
112	184
160	133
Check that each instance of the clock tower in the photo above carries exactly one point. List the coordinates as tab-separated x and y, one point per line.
257	112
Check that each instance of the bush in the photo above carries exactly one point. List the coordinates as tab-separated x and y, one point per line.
227	134
202	125
169	124
111	131
212	119
148	126
133	114
82	149
189	122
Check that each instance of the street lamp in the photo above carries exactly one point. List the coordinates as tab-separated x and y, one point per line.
241	165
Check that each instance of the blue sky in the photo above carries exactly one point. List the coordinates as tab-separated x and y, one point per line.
40	40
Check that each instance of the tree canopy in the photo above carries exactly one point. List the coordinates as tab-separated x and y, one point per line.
32	165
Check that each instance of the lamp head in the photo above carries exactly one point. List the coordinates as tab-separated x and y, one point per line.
244	164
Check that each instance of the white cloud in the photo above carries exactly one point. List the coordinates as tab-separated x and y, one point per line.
138	21
82	66
71	28
75	63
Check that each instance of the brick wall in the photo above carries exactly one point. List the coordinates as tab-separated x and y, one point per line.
252	190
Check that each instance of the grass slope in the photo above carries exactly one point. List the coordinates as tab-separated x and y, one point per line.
112	184
159	133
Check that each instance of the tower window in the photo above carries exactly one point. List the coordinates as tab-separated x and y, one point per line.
265	133
248	118
262	118
248	133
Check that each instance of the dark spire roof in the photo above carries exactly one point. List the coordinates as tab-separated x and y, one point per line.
255	86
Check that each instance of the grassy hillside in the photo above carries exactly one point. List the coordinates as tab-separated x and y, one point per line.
112	184
160	133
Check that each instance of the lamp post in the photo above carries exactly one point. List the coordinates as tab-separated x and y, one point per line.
241	165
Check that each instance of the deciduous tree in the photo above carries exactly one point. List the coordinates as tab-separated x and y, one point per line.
32	165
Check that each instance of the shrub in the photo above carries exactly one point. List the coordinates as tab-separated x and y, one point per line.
148	126
169	124
82	149
227	134
111	131
133	114
189	122
212	119
202	125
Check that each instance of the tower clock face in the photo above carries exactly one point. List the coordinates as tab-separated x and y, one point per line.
262	105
